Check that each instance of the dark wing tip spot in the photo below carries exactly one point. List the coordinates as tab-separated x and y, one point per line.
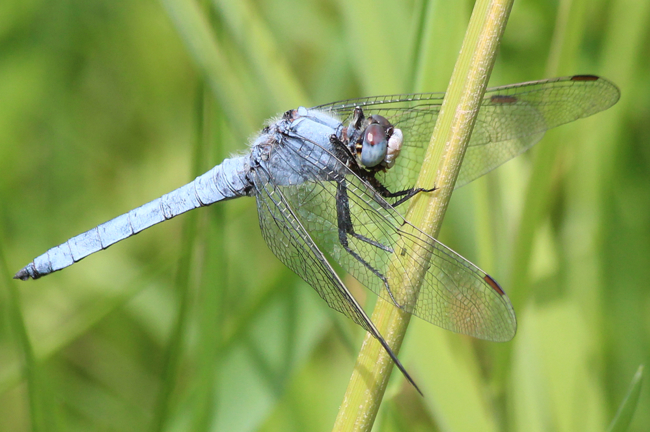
585	78
495	286
503	99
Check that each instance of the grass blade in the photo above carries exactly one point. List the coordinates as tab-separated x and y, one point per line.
201	43
29	367
626	410
264	53
441	165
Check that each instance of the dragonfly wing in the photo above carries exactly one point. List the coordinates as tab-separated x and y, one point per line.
455	294
291	243
288	240
511	119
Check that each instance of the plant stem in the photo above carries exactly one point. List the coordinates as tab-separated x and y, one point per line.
440	168
29	367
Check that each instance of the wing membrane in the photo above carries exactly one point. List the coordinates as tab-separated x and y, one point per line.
292	244
289	241
300	221
511	119
454	295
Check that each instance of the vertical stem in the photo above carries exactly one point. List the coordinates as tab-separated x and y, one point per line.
30	369
212	287
440	168
184	279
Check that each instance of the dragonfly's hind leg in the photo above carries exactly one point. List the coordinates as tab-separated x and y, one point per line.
346	228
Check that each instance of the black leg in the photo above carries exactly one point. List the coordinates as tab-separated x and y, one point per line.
346	228
406	194
344	154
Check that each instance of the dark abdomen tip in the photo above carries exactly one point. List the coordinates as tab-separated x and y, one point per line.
22	275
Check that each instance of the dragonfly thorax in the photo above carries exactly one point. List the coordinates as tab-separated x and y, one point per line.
373	142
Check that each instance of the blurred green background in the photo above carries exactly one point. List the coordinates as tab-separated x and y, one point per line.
195	325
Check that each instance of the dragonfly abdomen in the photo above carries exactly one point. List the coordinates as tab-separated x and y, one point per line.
224	181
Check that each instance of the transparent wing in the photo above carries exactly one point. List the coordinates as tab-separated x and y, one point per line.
387	252
511	119
292	244
289	241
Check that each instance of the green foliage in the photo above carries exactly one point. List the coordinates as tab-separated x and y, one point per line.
625	412
194	325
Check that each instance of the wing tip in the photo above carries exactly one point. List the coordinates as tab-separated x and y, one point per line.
613	91
513	324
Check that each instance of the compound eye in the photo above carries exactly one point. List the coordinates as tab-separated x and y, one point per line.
381	120
375	145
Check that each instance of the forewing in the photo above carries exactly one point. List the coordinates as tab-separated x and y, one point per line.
455	294
511	119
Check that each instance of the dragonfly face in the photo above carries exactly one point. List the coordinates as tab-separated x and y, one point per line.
374	140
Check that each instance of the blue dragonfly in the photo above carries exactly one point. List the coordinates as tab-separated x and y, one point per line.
329	182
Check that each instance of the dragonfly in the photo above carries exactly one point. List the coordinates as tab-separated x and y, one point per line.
330	183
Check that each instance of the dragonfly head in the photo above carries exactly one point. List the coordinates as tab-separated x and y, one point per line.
381	142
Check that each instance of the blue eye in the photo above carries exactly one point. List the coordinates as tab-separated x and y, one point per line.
375	144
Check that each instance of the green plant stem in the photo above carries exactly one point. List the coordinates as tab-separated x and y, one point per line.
30	368
440	168
201	43
175	348
538	194
183	281
625	412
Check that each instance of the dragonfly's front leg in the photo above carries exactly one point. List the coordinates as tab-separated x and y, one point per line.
346	228
345	154
406	194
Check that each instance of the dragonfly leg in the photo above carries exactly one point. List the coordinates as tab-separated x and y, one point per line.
346	228
405	195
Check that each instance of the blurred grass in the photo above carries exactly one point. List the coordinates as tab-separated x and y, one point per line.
628	406
105	106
